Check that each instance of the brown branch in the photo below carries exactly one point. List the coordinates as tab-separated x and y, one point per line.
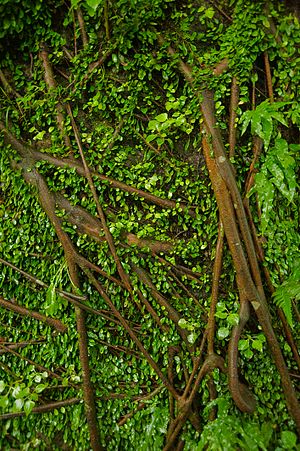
248	290
221	11
131	333
71	297
51	84
257	149
184	404
251	290
21	344
106	21
109	238
36	281
6	85
140	406
225	171
91	226
88	390
31	175
81	23
172	313
42	409
221	67
211	325
269	77
13	306
75	164
70	255
40	368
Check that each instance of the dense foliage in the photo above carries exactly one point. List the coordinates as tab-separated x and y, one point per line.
110	224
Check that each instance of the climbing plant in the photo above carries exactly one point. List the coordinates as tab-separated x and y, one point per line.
149	213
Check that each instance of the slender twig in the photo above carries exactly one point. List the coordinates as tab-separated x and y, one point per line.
140	406
42	409
7	86
13	306
40	368
21	344
109	238
131	333
39	282
234	99
211	325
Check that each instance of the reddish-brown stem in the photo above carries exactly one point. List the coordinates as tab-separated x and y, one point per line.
51	84
81	23
123	275
24	150
268	76
130	332
211	325
42	409
39	367
13	306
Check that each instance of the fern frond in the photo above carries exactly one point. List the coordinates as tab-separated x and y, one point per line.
285	294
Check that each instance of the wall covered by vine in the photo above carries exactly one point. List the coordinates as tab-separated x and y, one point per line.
149	225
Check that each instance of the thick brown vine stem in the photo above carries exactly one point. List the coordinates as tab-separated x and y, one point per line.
51	84
269	77
84	37
221	67
89	225
226	172
184	404
88	391
250	289
56	323
246	286
43	408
